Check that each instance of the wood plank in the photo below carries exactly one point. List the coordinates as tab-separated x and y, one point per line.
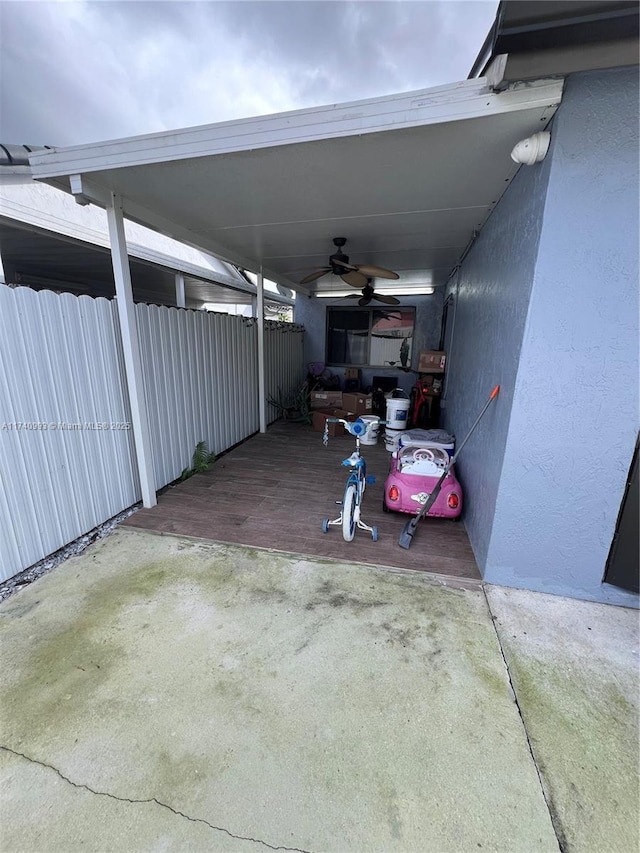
273	491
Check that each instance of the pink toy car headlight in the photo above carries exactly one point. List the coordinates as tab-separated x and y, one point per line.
394	494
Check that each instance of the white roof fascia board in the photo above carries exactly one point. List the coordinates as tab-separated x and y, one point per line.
458	101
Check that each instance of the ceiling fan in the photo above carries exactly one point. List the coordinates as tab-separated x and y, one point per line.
357	275
368	294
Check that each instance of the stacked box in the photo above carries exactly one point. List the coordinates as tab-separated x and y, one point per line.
431	361
326	399
359	404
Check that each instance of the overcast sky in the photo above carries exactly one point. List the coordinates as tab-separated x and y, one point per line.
77	72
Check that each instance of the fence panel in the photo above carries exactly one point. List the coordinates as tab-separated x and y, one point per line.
62	472
200	379
285	369
67	457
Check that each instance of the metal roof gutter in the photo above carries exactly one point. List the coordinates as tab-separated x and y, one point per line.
549	31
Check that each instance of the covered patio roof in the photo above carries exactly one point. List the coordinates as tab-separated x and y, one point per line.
42	259
408	179
48	241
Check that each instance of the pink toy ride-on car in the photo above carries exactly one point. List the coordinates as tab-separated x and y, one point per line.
415	469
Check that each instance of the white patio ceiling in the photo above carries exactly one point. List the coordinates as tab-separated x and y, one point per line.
407	179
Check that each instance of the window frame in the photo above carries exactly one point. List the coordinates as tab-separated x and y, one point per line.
370	309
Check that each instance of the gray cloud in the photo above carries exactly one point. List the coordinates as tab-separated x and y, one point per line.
76	72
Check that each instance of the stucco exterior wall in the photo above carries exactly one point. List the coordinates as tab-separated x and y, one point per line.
311	313
574	419
491	294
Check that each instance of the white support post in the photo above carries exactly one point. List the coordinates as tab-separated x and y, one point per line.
262	391
131	348
180	295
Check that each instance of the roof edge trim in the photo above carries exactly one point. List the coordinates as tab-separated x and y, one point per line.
459	101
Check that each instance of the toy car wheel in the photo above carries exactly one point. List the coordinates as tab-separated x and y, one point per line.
374	534
348	513
325	525
385	508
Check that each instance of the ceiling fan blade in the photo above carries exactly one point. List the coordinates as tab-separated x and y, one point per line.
355	279
344	264
388	300
364	300
377	272
315	275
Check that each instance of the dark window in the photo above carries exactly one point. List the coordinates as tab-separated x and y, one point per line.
374	337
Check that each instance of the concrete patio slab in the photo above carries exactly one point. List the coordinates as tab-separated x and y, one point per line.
575	668
278	702
42	811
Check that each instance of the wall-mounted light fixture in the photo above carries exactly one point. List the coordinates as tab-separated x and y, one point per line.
533	149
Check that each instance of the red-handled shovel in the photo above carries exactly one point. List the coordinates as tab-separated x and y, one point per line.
410	527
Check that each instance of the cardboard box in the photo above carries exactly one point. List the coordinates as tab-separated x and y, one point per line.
352	373
359	404
326	400
335	430
431	361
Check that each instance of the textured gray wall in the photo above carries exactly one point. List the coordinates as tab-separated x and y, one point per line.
493	289
312	314
574	420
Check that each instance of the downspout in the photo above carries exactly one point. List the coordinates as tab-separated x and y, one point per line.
444	400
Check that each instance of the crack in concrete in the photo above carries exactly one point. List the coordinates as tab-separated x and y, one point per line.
553	816
177	812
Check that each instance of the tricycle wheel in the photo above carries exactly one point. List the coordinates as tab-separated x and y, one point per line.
374	534
325	525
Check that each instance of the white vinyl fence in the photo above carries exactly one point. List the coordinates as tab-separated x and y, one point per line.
201	384
67	459
61	376
285	369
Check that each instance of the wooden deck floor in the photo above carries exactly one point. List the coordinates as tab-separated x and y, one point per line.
273	491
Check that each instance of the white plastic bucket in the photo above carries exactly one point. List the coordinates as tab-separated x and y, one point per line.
397	413
392	439
373	427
